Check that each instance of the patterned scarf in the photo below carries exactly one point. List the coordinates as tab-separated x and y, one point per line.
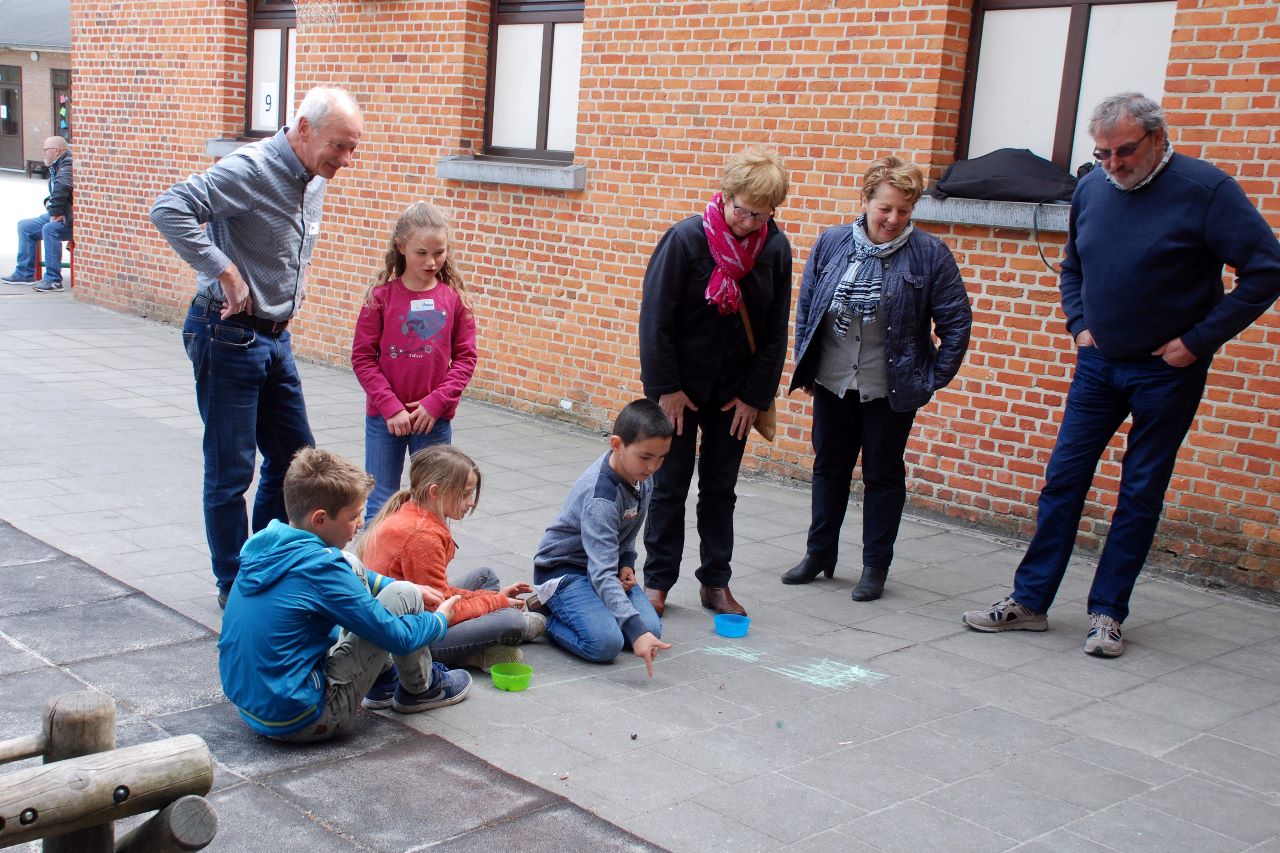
858	292
734	258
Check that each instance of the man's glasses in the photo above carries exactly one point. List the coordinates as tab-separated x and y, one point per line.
1104	154
743	213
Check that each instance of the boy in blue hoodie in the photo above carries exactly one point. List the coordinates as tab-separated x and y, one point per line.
279	663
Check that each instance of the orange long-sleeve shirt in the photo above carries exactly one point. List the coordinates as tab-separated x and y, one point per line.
414	544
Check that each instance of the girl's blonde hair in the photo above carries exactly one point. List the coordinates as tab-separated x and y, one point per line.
441	465
418	216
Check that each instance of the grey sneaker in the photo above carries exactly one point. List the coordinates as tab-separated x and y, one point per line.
487	657
535	625
1104	639
14	278
1005	615
47	286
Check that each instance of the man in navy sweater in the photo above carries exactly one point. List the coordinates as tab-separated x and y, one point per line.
1142	291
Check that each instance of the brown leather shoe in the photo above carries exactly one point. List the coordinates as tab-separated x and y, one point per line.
658	598
719	599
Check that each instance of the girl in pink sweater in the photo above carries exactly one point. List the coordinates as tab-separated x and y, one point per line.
414	349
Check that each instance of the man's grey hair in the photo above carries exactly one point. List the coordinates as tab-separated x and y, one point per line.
322	100
1135	105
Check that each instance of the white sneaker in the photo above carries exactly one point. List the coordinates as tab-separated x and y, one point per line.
535	625
1005	615
1104	639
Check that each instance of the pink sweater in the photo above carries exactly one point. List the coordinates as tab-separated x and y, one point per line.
414	346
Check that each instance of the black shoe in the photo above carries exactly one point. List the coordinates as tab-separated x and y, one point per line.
222	601
871	586
808	569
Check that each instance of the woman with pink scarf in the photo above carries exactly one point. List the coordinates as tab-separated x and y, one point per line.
697	361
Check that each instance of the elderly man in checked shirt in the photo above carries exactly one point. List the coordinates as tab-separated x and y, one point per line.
260	208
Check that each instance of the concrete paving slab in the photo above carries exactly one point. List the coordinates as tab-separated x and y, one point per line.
1131	826
866	704
780	807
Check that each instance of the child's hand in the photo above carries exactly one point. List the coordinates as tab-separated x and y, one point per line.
646	647
446	608
431	597
420	419
515	589
399	423
627	575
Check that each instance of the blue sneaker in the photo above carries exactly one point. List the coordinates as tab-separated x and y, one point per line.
448	687
47	286
379	695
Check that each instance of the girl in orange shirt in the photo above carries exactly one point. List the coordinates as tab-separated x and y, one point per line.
409	539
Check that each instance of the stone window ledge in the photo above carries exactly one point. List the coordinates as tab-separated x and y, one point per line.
555	177
997	214
220	148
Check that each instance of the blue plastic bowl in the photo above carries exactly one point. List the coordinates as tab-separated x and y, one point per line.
732	625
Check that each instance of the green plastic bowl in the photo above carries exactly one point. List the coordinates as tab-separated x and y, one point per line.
511	676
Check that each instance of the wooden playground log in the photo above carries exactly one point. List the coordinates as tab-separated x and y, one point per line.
89	790
22	747
78	724
189	823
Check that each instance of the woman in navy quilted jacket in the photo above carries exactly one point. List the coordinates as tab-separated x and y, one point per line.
874	295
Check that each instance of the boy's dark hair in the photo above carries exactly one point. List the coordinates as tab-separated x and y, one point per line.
641	419
321	479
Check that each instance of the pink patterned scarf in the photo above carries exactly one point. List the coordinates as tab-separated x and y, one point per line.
734	258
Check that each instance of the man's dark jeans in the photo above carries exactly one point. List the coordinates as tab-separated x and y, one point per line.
250	399
1163	401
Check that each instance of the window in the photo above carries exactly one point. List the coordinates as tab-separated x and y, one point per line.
62	103
535	56
1037	68
269	99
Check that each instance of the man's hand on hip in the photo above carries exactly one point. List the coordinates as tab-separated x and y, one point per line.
1175	353
235	293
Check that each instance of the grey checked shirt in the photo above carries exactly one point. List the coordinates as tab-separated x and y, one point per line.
262	210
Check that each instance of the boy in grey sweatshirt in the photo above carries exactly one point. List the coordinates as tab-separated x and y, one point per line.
584	571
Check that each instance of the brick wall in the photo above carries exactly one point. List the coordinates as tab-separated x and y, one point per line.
669	89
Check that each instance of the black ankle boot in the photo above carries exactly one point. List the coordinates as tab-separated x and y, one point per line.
872	584
808	569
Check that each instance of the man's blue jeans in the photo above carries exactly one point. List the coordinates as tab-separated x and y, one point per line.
384	456
250	399
581	624
30	233
1163	402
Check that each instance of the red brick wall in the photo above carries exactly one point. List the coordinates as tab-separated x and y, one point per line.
669	89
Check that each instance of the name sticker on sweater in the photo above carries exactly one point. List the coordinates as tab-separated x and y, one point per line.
313	228
630	513
422	305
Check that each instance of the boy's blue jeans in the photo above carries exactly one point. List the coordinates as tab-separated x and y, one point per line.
581	624
384	456
1163	401
32	231
250	399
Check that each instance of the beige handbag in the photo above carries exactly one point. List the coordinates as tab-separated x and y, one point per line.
766	419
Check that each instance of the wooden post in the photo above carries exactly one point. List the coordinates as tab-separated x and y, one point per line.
189	823
77	724
65	797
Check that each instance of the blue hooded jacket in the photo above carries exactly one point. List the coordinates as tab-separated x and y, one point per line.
292	591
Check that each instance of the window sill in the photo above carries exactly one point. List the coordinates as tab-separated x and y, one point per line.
220	148
553	177
997	214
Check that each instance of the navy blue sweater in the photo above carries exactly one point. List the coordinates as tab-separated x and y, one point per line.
1145	267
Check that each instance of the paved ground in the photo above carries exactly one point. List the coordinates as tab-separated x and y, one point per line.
833	726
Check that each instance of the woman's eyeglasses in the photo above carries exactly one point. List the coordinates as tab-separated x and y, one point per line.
743	213
1104	154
